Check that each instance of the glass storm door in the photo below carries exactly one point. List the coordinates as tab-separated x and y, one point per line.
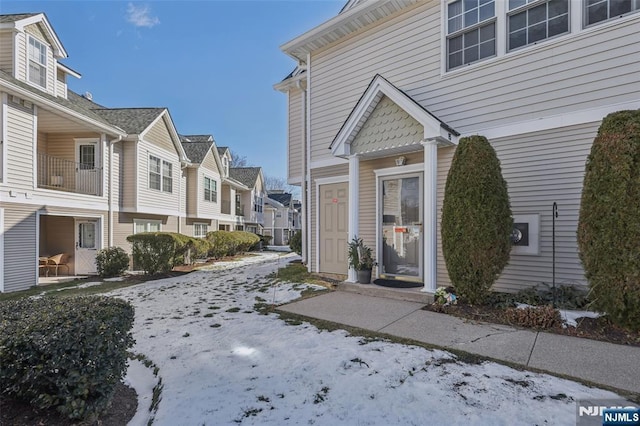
401	209
86	246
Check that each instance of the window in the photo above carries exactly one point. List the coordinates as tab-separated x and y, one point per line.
210	190
257	203
533	21
37	63
471	32
160	174
141	225
200	230
602	10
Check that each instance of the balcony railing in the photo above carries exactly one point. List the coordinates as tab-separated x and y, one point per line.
64	175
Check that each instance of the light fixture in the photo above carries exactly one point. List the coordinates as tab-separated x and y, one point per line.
401	161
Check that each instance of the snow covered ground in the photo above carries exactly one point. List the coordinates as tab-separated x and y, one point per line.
223	363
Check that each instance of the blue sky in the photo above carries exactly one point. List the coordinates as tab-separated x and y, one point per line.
212	63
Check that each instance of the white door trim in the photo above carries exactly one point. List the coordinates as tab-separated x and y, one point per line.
98	238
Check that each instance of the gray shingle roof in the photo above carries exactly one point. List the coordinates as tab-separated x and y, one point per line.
75	102
222	150
197	138
245	175
196	151
284	199
132	120
15	17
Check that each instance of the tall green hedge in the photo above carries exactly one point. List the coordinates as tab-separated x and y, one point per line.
609	223
476	219
64	352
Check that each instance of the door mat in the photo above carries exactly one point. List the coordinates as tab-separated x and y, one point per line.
397	283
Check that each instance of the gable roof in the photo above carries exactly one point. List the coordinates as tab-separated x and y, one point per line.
223	150
20	20
282	198
245	175
132	120
434	128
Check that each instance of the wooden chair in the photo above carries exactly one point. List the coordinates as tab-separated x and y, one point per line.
55	262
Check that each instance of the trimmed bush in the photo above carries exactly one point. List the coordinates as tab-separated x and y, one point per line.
160	251
112	262
476	219
66	352
230	243
295	243
609	222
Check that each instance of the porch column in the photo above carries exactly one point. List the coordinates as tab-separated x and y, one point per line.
430	214
354	188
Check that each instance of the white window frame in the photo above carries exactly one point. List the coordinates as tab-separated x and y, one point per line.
162	174
635	8
212	190
493	20
258	203
146	224
196	226
31	44
531	4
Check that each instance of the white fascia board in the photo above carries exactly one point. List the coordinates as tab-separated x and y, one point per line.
68	70
291	83
44	102
172	132
57	44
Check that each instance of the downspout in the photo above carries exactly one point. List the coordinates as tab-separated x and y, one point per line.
110	193
307	171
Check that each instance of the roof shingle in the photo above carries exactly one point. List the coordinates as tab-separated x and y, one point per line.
131	120
245	175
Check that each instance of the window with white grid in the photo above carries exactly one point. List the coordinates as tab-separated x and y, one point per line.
531	21
471	32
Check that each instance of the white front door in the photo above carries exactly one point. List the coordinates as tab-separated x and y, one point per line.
87	243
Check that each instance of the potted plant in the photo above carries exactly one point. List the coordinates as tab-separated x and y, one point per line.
361	259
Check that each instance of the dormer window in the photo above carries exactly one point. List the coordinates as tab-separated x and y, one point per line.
37	63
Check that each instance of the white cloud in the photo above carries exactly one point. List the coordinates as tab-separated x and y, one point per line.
140	16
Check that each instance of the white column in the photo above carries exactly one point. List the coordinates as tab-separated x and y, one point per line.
430	214
354	189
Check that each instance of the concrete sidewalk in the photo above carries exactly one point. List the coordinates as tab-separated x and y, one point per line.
602	363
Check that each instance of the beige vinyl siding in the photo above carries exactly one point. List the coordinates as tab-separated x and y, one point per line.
20	248
580	71
192	191
296	137
128	185
6	51
123	226
20	122
35	31
159	135
325	172
151	198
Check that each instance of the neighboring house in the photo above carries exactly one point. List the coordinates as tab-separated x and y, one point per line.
383	91
204	183
280	217
76	176
249	203
56	158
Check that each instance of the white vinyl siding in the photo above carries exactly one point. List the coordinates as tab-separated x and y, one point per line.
61	84
152	200
20	139
20	248
296	137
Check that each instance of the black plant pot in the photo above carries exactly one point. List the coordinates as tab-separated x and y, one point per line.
364	276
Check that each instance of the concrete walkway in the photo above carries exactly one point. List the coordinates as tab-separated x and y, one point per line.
602	363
